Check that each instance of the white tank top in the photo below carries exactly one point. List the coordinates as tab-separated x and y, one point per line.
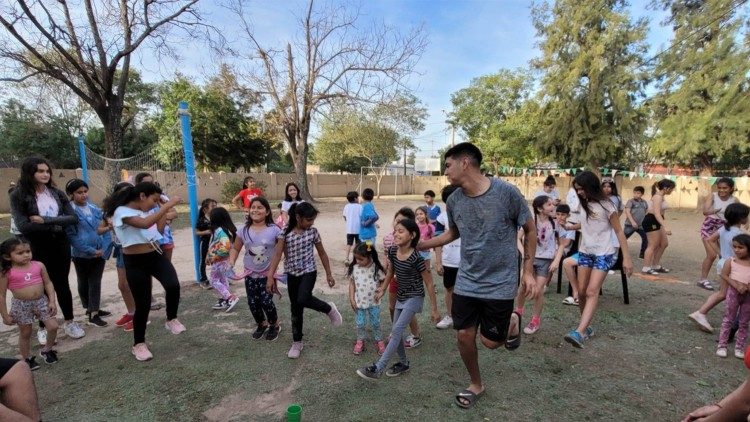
721	205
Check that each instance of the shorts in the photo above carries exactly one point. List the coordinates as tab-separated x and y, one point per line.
6	365
710	226
650	224
597	262
24	311
119	256
352	239
491	315
541	266
167	246
426	255
575	257
449	277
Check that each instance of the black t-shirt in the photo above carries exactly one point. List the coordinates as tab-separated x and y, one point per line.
202	225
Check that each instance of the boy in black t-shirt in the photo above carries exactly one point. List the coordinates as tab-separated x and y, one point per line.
203	231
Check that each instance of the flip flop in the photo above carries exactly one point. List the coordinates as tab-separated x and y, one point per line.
514	342
469	396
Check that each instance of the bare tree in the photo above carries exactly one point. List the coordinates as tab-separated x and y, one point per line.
334	58
89	49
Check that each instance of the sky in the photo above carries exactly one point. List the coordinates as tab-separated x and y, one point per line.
467	39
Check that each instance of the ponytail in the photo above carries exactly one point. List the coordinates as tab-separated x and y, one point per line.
126	194
299	210
661	185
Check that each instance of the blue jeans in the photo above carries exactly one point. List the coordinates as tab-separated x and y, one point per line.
362	315
405	310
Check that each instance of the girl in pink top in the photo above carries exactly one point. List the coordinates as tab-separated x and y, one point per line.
426	230
30	285
736	273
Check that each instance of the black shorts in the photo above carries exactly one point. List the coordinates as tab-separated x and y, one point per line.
449	277
491	315
650	223
352	239
5	365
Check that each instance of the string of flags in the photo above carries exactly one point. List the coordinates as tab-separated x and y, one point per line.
571	171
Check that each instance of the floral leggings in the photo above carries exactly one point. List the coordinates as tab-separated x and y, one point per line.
260	301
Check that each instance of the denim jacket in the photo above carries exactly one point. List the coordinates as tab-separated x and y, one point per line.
23	206
84	239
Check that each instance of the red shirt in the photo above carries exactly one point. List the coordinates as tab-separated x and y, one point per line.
247	195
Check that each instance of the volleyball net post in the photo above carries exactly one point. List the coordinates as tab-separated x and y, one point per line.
191	179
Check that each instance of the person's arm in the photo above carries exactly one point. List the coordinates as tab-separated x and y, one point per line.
561	243
271	286
726	270
23	221
734	407
384	287
77	241
449	235
429	285
146	222
326	263
629	215
627	262
103	227
68	216
713	243
235	251
351	294
49	289
708	206
439	260
529	252
7	319
237	201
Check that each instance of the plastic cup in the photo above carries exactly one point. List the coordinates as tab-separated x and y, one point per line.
294	413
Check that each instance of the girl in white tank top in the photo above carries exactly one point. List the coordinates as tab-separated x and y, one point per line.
713	210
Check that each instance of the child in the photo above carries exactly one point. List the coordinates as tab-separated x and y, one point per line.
549	189
433	211
549	252
721	242
296	243
610	192
352	213
368	218
291	196
567	236
31	287
91	247
203	231
224	234
413	279
713	209
259	238
365	275
597	253
249	191
126	320
139	234
447	259
635	210
655	227
736	273
426	231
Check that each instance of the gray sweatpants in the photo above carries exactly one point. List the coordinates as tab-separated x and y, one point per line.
405	310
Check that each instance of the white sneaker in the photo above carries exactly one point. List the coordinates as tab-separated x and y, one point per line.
446	322
721	352
570	300
233	300
701	321
41	335
73	330
739	354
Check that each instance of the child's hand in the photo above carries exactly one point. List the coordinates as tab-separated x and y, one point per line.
554	266
271	286
36	219
331	281
8	320
98	253
52	308
439	269
379	294
176	200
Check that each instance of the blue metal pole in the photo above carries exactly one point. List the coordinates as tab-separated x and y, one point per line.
82	152
187	148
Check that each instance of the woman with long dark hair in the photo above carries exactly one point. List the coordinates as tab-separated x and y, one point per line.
41	213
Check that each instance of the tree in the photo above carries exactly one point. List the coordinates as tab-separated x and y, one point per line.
89	50
703	102
337	58
592	80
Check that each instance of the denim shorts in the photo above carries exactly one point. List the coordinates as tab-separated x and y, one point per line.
597	262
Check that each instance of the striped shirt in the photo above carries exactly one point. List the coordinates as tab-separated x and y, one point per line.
408	273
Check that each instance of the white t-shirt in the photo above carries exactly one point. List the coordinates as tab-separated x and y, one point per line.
596	230
574	203
352	212
129	235
546	242
554	195
285	205
451	255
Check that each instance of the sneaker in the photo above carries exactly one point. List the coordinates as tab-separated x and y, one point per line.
73	330
124	320
334	315
533	326
32	363
220	305
49	356
205	285
574	338
359	347
97	321
589	333
273	332
705	284
128	327
174	326
259	331
295	350
701	321
662	270
412	342
380	345
141	352
739	353
231	302
652	272
369	373
446	322
721	352
570	300
397	369
104	314
41	335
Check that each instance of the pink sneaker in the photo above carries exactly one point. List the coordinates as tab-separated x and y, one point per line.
295	350
533	326
334	315
381	347
141	352
174	326
359	347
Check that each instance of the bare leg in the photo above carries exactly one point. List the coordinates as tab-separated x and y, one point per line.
19	394
715	298
24	340
590	299
467	346
127	295
51	325
663	243
414	327
654	239
541	282
569	265
708	261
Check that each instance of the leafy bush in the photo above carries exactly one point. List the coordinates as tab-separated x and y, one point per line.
232	186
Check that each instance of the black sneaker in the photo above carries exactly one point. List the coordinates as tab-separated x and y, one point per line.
104	314
220	305
369	373
259	332
273	332
97	321
32	363
397	369
49	356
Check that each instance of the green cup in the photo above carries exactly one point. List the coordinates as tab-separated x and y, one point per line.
294	413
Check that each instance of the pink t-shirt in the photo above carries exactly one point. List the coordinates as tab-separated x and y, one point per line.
426	231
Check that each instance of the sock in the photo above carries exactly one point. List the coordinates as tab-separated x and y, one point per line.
519	311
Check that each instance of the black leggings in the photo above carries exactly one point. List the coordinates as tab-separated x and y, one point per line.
260	301
138	270
204	251
53	250
300	295
89	272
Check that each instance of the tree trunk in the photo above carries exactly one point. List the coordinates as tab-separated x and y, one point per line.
300	169
113	135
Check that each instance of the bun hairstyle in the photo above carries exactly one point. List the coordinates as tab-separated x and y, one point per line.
75	184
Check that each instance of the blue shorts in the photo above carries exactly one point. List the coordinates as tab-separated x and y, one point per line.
597	262
119	256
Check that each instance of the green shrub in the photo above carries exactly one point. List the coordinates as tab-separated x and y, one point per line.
232	186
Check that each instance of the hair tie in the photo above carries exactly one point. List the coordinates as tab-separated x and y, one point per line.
369	245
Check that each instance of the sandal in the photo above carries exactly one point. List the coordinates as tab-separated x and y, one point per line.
514	342
469	396
705	284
